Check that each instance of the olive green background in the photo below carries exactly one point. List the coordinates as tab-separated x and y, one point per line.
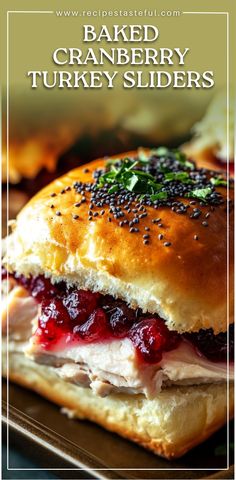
33	37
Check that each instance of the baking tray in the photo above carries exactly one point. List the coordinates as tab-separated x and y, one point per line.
82	445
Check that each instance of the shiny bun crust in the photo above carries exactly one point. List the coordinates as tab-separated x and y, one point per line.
185	283
204	158
166	425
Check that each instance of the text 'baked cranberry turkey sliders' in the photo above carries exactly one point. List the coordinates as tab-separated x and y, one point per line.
117	298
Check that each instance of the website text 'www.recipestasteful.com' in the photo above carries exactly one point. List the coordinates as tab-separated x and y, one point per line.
118	13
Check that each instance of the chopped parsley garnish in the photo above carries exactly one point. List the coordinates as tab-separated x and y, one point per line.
200	193
126	175
218	181
113	189
182	159
158	196
123	191
178	176
161	175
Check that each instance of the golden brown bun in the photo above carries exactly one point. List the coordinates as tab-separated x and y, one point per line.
205	158
170	425
185	284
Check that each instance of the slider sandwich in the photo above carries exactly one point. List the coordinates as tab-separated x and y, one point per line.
116	287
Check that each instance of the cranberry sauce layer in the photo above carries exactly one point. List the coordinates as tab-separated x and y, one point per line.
89	317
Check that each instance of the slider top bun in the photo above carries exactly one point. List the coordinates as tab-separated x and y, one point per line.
204	158
185	283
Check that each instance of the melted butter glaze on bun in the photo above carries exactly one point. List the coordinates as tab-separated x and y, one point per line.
174	265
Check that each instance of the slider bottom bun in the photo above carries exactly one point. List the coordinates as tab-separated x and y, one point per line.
170	425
